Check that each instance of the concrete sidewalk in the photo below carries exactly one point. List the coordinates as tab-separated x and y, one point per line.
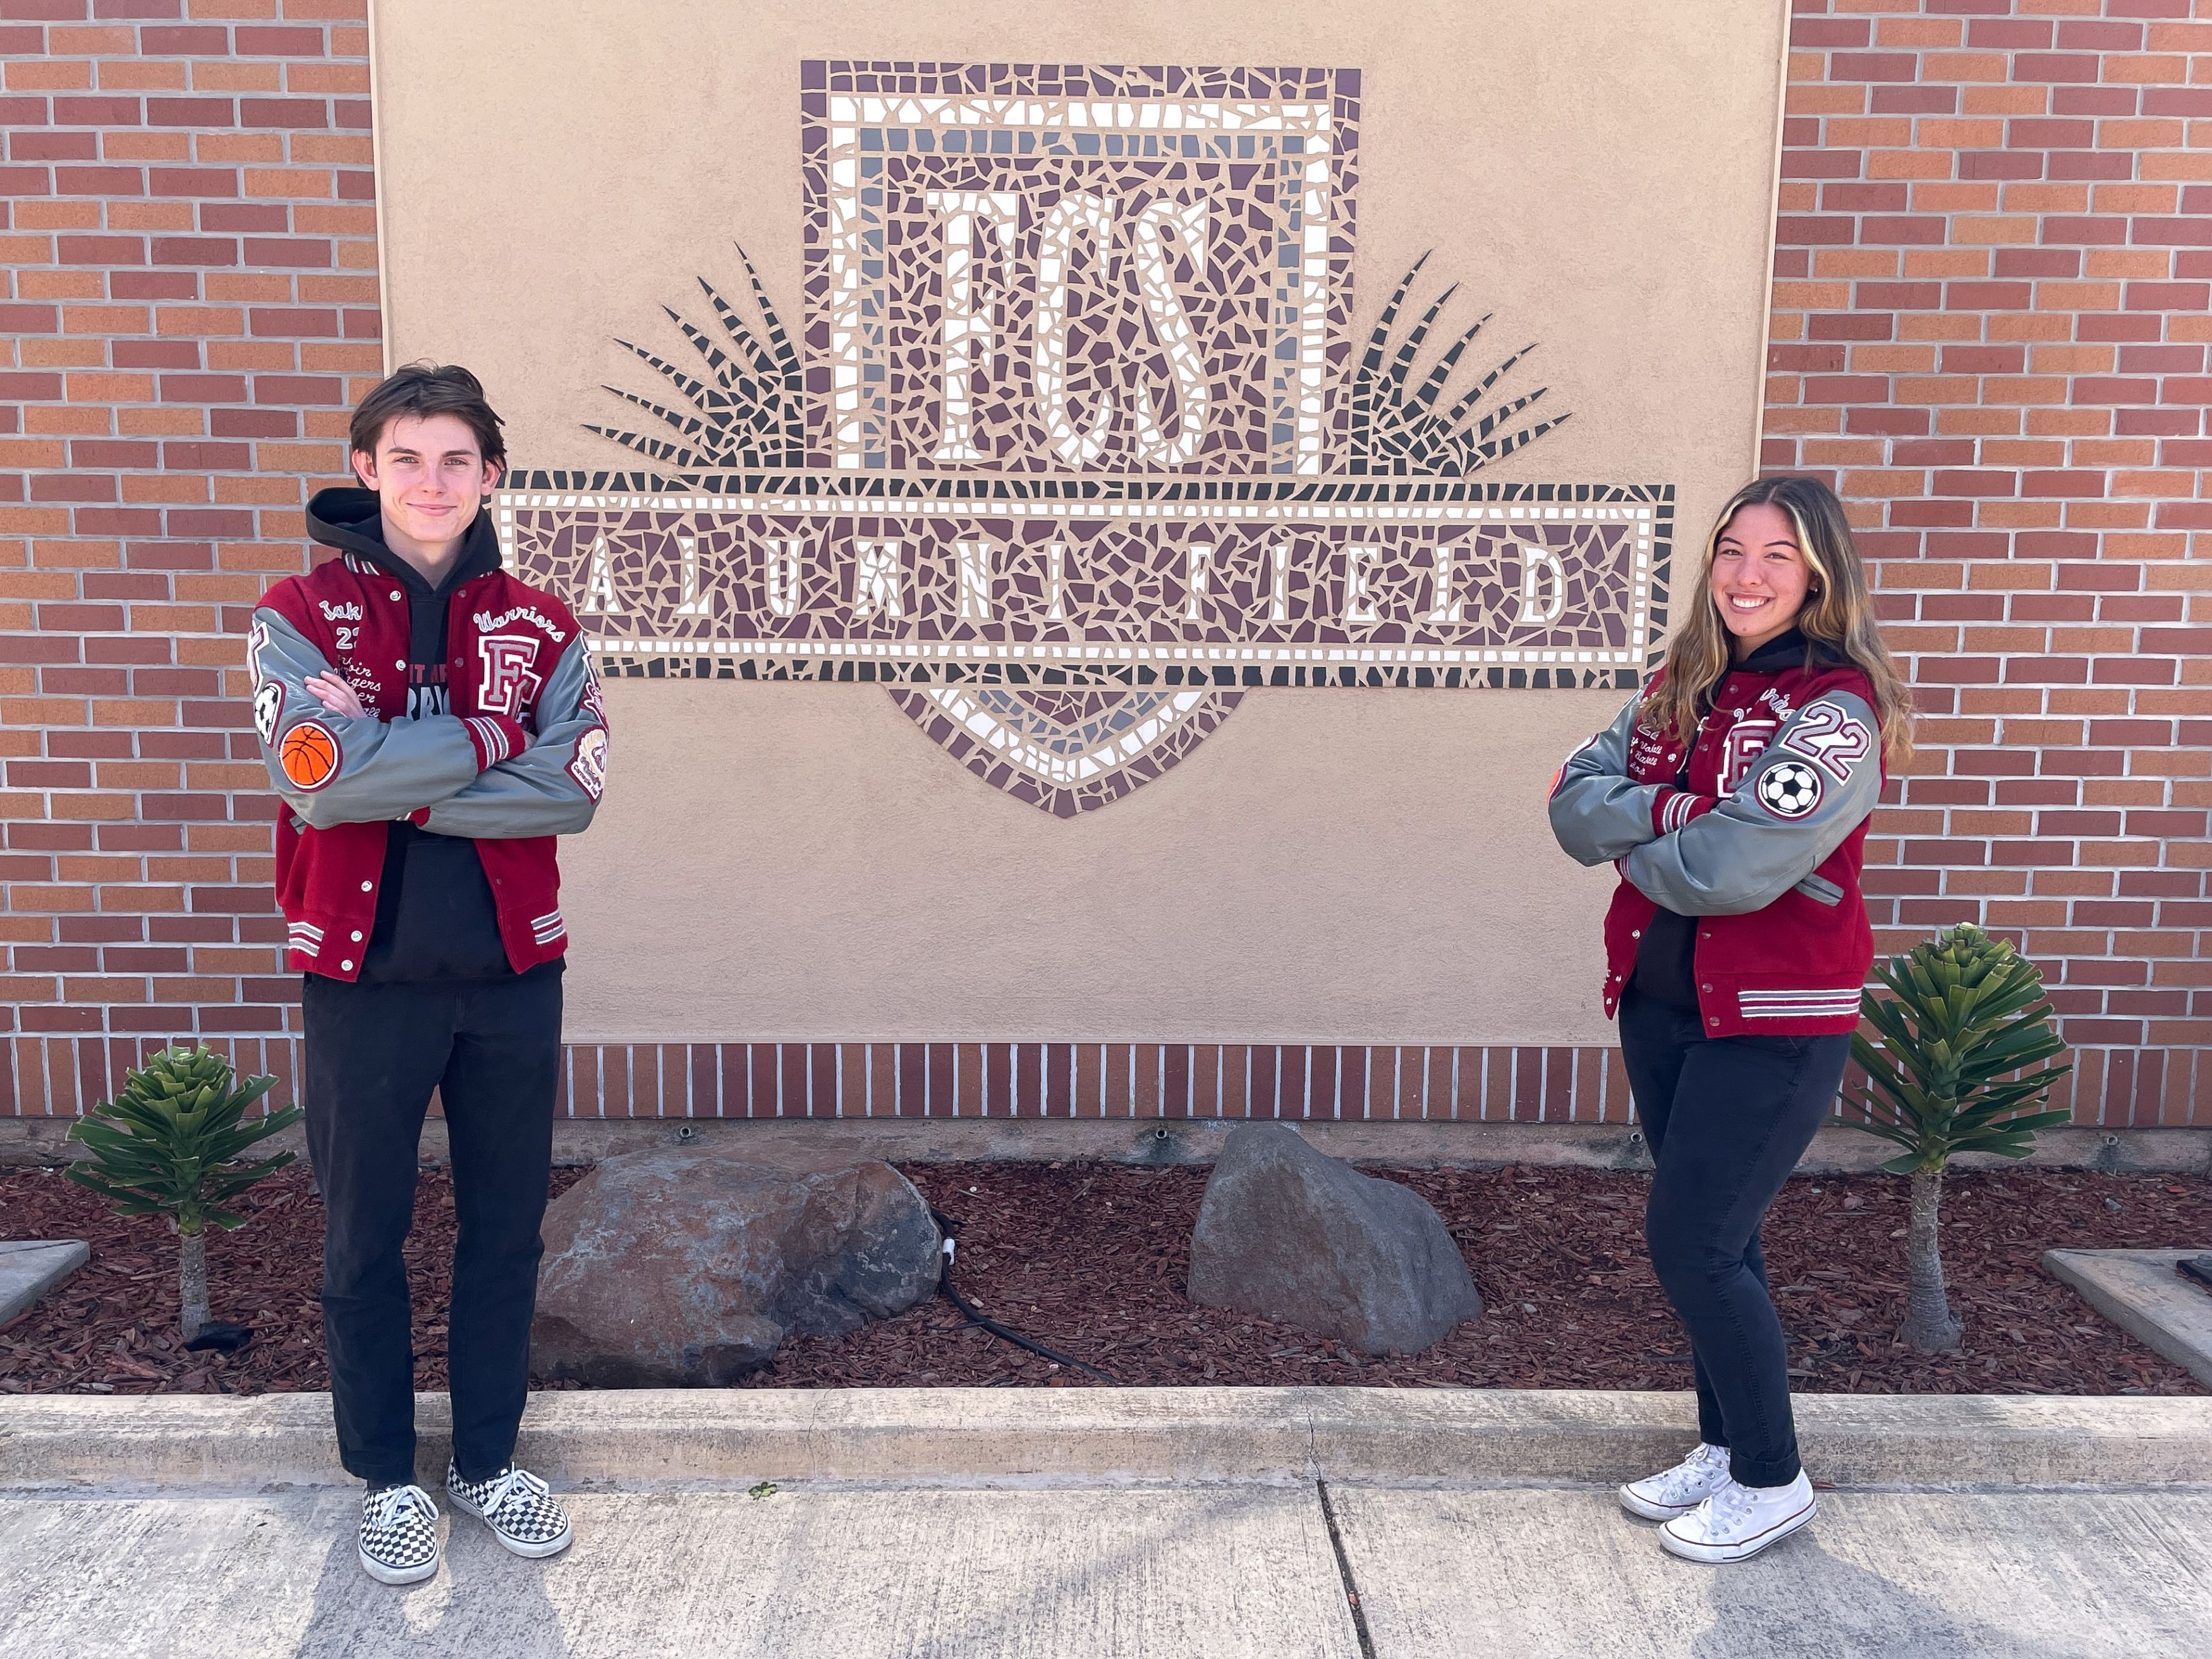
1193	1538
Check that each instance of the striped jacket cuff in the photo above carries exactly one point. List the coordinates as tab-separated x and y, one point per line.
1672	808
497	737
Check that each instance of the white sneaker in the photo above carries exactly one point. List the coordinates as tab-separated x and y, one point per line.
398	1534
1678	1491
1737	1521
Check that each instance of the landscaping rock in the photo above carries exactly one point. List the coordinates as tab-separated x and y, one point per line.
679	1266
1294	1235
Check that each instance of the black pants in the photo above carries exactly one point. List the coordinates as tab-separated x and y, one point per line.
375	1052
1727	1120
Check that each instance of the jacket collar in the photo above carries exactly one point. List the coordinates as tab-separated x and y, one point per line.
351	521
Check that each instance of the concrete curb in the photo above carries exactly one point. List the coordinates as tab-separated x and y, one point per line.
1836	1150
31	1267
2139	1292
645	1438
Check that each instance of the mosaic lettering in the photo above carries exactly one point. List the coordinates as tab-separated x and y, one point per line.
1075	445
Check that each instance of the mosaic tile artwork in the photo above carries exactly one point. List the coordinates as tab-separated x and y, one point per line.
1075	447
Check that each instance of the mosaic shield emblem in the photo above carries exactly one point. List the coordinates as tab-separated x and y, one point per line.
1076	447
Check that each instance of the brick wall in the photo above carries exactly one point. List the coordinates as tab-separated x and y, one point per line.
1993	266
1992	269
191	304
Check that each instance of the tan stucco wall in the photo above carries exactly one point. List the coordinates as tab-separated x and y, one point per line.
798	861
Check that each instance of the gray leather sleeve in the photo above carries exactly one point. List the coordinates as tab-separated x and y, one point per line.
540	791
1806	791
1597	814
385	769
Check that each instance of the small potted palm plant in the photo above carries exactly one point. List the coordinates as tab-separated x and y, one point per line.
168	1143
1947	1073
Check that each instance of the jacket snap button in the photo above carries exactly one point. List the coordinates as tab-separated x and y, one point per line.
1714	1020
348	966
369	887
356	936
1708	934
402	663
397	594
1705	988
1636	933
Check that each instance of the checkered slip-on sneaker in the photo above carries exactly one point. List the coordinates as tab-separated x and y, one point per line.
517	1506
398	1534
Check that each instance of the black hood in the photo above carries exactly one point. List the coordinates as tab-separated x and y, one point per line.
352	520
1788	650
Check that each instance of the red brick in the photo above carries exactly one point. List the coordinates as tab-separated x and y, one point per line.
2055	66
96	111
191	112
1914	100
196	41
260	42
192	181
292	113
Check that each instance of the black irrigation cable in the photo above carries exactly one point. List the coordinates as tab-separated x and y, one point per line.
949	1227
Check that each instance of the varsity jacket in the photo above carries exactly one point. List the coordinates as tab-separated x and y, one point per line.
1763	847
519	759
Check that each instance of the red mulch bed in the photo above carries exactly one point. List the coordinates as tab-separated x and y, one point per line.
1090	1259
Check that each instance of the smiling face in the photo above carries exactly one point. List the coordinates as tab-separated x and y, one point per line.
430	478
1759	576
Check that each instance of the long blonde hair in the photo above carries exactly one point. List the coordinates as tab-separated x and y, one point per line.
1838	612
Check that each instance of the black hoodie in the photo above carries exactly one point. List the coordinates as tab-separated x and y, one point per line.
434	915
1666	959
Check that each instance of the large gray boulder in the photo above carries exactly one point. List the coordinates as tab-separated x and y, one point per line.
1294	1235
679	1266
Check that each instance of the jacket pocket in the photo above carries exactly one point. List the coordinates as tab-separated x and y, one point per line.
1820	890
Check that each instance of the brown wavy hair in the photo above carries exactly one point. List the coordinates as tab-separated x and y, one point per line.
426	389
1838	613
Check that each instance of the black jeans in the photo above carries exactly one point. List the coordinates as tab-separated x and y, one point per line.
1727	1120
492	1048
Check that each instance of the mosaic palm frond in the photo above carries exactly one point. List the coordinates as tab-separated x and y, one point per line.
741	408
1401	431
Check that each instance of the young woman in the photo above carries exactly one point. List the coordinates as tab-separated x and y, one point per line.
1733	795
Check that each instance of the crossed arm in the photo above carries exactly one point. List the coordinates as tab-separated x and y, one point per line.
1707	855
483	776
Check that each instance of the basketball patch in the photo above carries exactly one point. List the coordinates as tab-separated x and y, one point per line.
309	754
589	768
268	710
1790	790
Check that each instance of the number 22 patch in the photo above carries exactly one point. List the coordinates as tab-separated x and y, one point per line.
1831	738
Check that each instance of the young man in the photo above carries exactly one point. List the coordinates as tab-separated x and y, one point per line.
432	724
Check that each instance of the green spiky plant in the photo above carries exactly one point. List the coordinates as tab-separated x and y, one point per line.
168	1144
1965	1019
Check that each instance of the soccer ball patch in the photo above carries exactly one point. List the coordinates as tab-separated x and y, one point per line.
268	710
1790	790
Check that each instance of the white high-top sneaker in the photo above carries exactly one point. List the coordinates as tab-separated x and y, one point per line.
1678	1491
1737	1521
